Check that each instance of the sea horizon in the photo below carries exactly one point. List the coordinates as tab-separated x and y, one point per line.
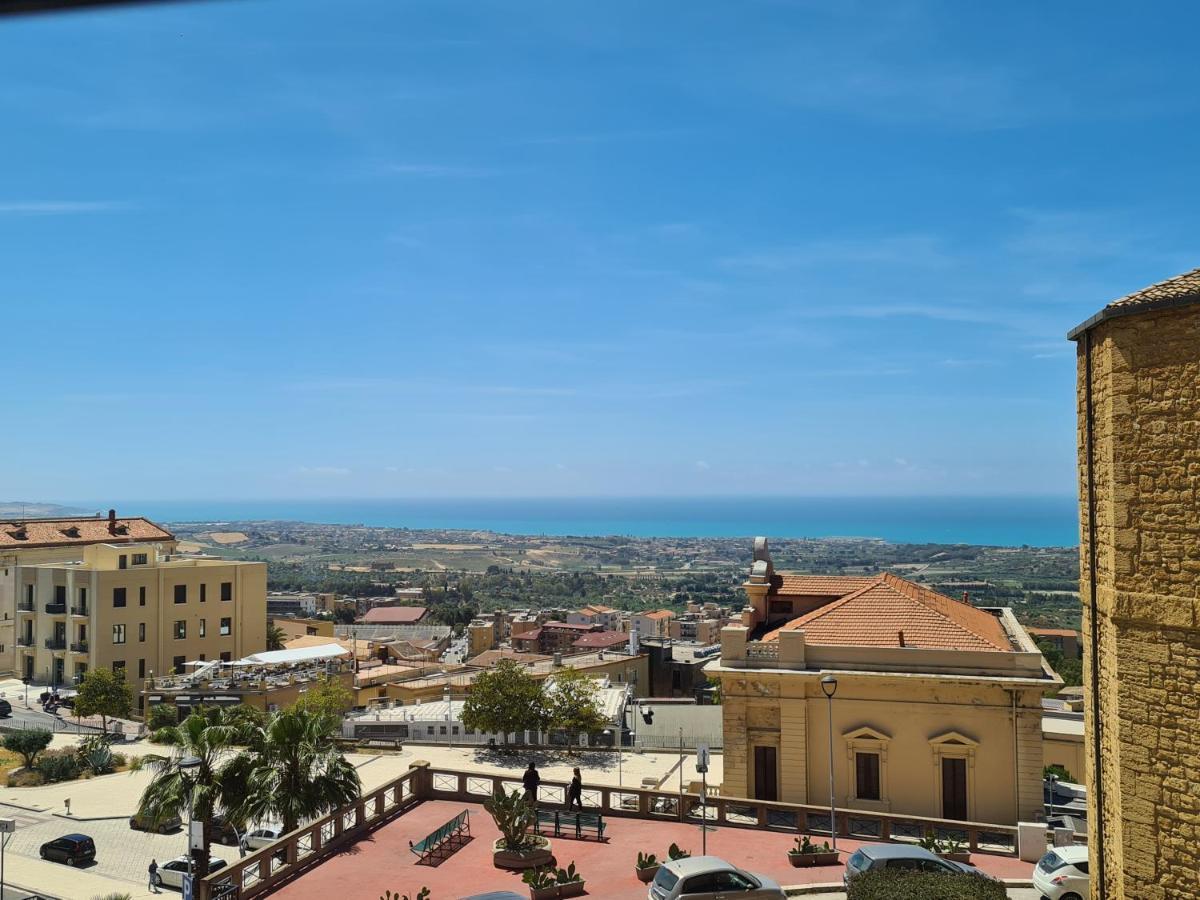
1013	521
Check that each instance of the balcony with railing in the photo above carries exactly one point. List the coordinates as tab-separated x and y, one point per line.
56	609
80	609
79	647
663	813
25	640
55	643
25	606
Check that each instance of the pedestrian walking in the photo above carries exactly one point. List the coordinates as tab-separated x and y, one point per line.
575	792
154	877
531	779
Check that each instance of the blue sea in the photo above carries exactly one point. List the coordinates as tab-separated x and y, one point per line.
995	521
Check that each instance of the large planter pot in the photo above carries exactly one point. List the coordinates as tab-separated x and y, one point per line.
571	889
516	860
646	875
961	857
546	893
810	860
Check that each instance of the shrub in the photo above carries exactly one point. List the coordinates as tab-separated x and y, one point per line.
1059	772
136	763
113	896
162	715
120	760
163	736
98	760
58	765
900	884
26	778
28	742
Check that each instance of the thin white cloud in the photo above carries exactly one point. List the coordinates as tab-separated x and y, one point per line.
321	471
58	207
433	170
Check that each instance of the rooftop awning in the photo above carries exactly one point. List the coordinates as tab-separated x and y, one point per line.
296	655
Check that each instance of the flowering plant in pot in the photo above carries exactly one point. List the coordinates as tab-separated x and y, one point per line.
806	854
646	867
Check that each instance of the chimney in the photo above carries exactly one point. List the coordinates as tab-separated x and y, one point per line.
112	521
966	598
900	633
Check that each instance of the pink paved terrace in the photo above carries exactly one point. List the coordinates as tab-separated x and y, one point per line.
382	861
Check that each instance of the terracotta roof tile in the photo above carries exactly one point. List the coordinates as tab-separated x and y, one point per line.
822	585
1181	287
394	615
875	616
78	532
601	639
658	614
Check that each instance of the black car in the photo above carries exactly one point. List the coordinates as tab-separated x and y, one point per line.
72	849
222	831
5	709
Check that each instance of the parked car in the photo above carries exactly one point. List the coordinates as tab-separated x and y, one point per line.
5	709
72	849
258	838
1062	874
138	822
707	877
1064	798
222	831
171	873
903	856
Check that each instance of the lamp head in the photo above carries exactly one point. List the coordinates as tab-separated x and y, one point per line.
829	686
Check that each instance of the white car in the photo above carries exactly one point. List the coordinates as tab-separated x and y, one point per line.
171	873
1062	874
709	878
258	838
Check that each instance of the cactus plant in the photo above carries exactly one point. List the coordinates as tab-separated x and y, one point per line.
513	817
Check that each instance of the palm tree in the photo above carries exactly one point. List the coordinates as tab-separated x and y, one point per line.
198	778
275	637
295	771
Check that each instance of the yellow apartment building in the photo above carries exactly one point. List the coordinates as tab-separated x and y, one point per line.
29	542
1138	400
138	609
936	712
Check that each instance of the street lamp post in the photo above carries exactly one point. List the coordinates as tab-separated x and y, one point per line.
615	734
449	718
190	764
829	688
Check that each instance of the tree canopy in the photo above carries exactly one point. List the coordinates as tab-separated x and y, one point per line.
329	696
504	700
570	702
103	693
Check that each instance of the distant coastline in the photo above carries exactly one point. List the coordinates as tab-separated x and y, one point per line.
990	521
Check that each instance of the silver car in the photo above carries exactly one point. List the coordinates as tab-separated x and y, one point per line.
710	878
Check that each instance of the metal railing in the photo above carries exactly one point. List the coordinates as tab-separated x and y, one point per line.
79	647
25	605
56	643
25	640
56	609
81	610
264	870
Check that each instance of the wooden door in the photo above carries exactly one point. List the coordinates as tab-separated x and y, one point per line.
766	776
954	789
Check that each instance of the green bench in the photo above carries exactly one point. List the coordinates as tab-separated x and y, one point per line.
444	838
564	823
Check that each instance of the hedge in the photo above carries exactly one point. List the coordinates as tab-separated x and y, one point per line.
899	884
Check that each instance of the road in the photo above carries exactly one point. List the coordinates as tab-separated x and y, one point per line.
1013	894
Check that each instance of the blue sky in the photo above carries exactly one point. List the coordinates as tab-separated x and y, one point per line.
262	249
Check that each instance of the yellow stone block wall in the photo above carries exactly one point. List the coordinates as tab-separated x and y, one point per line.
1145	380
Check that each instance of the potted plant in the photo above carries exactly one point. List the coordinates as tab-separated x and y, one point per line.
947	849
806	854
647	867
570	882
542	883
517	847
676	852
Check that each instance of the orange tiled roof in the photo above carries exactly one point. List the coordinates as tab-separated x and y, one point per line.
659	614
822	585
394	615
1054	632
877	614
78	532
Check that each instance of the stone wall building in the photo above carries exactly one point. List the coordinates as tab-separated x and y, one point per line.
1139	471
937	710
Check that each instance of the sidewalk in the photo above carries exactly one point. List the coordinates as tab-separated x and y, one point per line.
56	880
